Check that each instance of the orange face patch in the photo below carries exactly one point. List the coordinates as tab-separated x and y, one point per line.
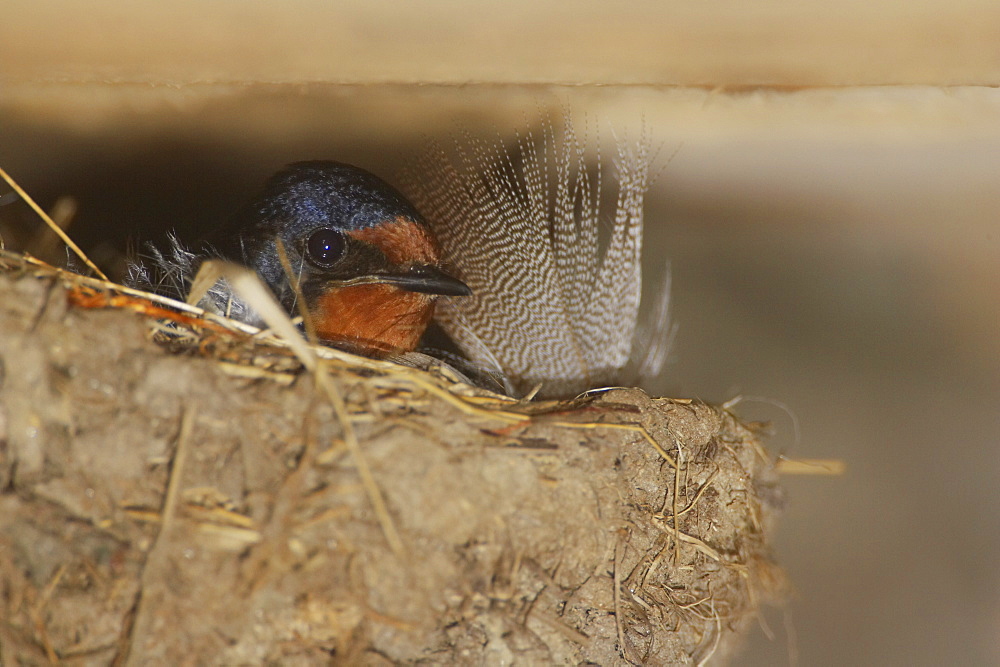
377	318
402	241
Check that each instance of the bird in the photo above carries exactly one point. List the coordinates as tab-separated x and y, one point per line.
517	262
361	257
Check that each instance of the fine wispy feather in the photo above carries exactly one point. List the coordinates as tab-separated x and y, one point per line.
170	272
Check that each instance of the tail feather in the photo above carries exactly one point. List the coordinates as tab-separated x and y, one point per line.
555	298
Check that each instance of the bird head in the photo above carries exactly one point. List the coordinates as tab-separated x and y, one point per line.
363	258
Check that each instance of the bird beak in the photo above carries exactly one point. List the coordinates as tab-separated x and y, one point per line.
427	279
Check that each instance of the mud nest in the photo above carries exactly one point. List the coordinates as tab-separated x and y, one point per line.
188	493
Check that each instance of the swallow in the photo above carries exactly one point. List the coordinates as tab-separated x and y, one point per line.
363	259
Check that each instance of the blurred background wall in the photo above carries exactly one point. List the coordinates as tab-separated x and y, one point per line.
827	197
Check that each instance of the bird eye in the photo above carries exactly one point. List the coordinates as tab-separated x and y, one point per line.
325	247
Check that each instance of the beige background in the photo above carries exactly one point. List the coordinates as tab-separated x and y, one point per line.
827	197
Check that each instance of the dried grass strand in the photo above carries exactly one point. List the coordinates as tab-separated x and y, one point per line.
51	223
143	616
634	428
830	467
249	287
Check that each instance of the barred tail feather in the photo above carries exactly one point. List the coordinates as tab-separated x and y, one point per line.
556	276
